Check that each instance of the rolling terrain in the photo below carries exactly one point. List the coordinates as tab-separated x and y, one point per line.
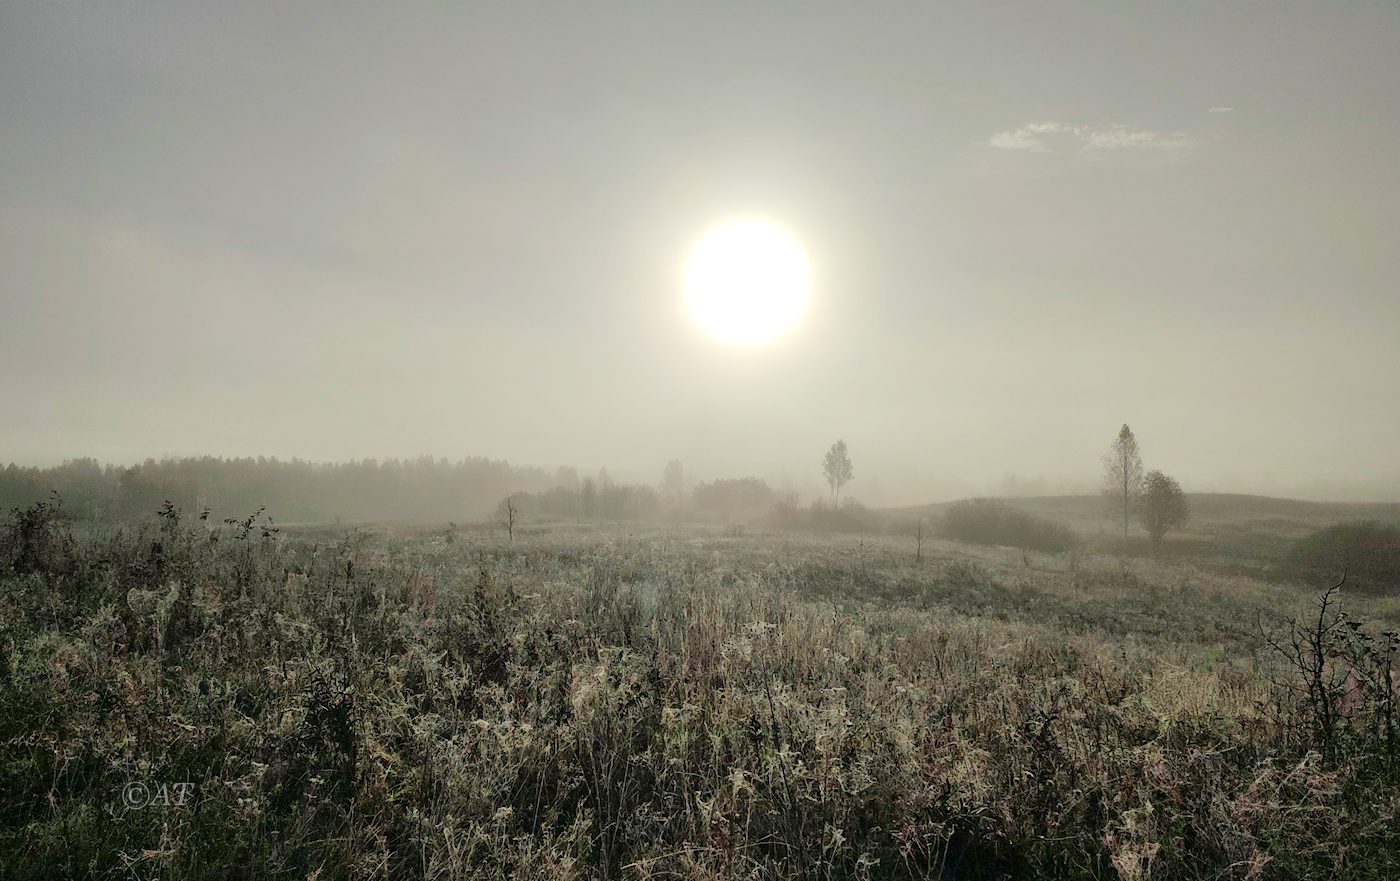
594	701
1245	532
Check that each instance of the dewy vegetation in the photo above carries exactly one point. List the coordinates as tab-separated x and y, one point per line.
674	703
994	522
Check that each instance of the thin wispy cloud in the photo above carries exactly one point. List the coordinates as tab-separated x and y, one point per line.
1046	137
1220	110
1119	137
1030	137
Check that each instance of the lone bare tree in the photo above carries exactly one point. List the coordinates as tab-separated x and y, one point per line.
673	481
510	512
837	468
1122	476
1162	506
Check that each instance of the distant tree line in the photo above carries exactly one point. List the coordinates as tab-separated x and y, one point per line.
291	490
734	497
586	499
422	489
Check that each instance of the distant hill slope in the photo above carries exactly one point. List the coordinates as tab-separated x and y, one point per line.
1091	514
1225	528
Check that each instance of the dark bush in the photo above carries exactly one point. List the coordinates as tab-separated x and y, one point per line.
1369	552
850	516
993	522
26	540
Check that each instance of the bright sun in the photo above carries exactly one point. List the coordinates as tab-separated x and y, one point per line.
746	282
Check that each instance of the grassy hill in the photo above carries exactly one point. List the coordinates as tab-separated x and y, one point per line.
1226	529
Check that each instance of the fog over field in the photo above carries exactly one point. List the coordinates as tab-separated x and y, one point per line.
335	233
699	441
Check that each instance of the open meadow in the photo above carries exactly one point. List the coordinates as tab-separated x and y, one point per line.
616	440
187	700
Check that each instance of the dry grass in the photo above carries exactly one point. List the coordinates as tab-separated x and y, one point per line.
659	704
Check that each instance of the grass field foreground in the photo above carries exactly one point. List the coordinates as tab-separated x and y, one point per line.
670	703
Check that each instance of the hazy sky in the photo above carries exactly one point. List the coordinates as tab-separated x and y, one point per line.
340	231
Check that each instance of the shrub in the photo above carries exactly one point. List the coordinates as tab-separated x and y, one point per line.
1368	551
849	516
1161	507
32	532
993	522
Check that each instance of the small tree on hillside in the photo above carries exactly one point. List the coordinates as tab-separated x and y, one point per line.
837	468
1162	506
1122	475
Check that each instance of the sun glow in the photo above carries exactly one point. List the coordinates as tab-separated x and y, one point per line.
746	282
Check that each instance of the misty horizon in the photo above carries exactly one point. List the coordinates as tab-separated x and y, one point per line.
586	441
809	487
222	233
